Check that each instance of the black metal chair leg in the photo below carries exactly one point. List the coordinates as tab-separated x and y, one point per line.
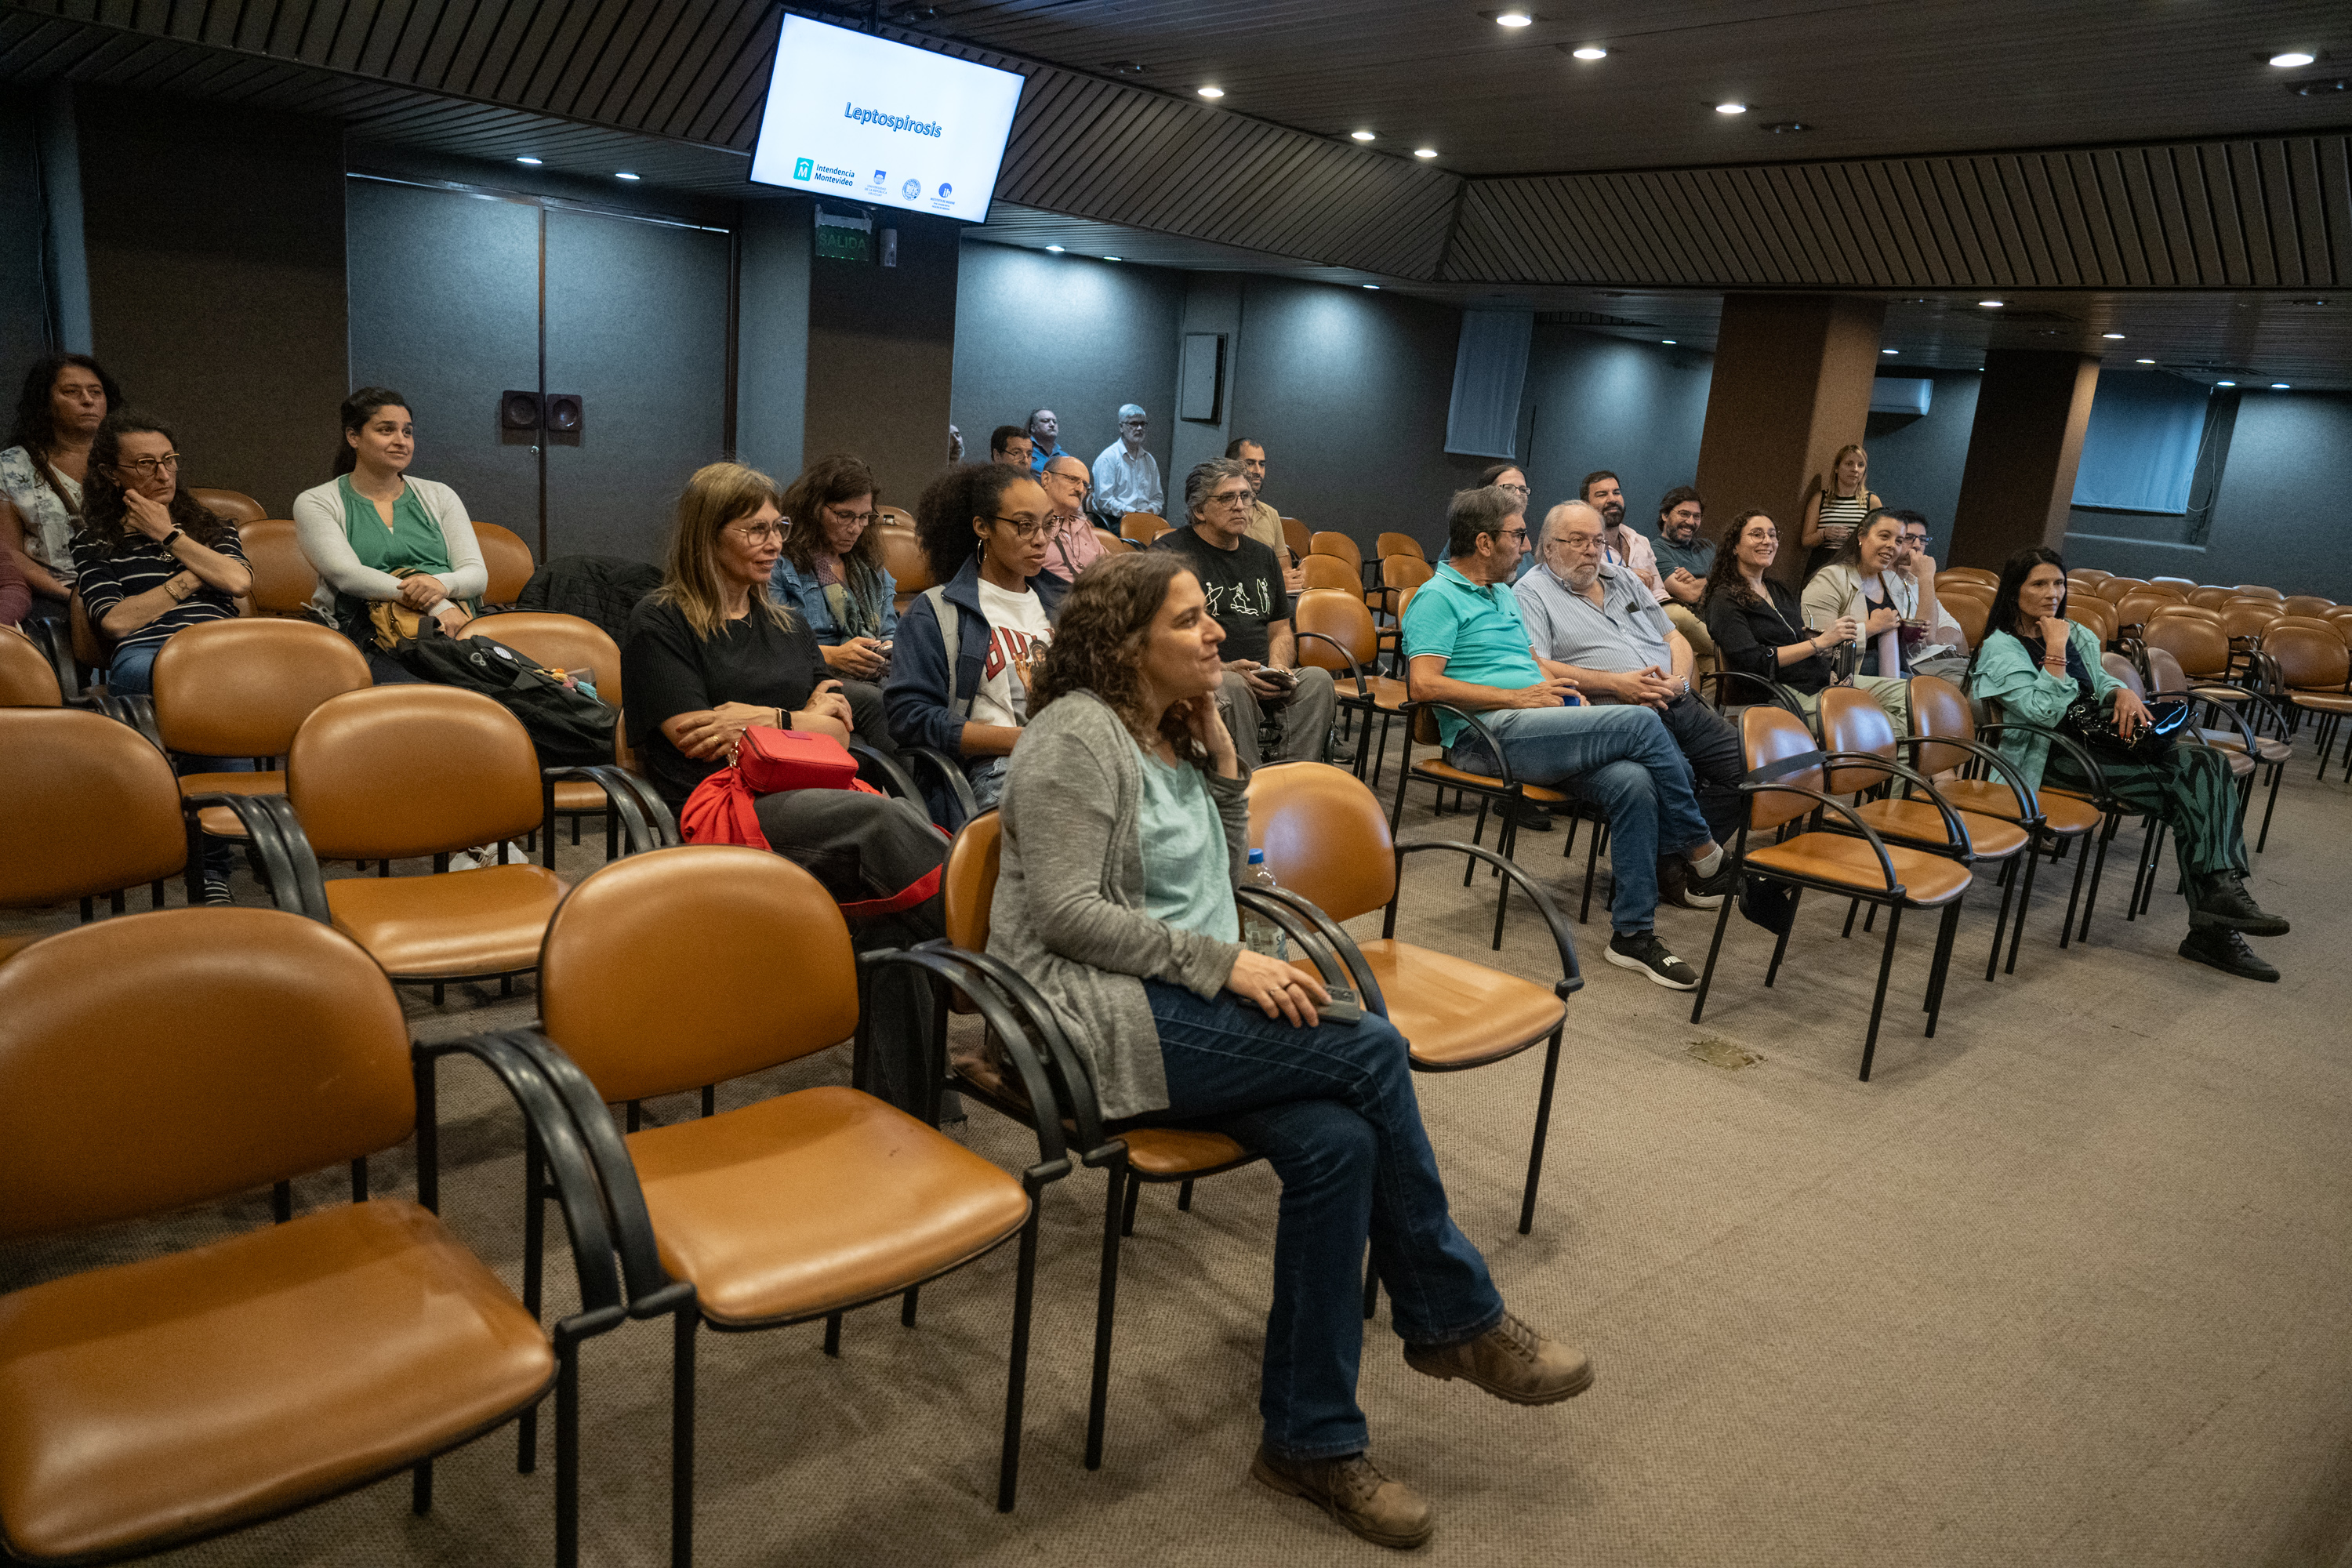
1106	1311
1722	920
2278	772
1017	1381
2098	875
534	1243
2024	903
1852	908
2074	899
567	1455
709	1099
2000	925
360	1180
1878	1001
1592	869
420	1486
681	1436
1945	938
1184	1195
1543	1126
1127	1216
907	1307
282	1202
1780	947
833	1334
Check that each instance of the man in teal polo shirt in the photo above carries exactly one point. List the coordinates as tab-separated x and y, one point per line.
1465	646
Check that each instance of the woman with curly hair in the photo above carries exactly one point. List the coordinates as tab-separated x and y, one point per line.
832	570
984	528
1126	827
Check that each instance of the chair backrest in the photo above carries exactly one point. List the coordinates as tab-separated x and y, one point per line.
1404	603
2163	669
1341	616
91	807
2114	589
160	1059
2135	609
242	689
1328	571
1968	575
27	679
2172	587
1341	545
283	578
1405	572
2120	668
2179	608
2202	646
1390	545
1298	536
1970	612
2309	623
2211	597
693	964
1325	837
2306	604
234	505
1852	721
509	559
2260	591
967	883
2248	619
2340	617
1939	710
2306	658
395	772
1143	527
88	651
2090	610
1113	545
1771	734
904	558
562	642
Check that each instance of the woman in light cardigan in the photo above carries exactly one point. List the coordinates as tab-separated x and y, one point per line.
1126	823
372	521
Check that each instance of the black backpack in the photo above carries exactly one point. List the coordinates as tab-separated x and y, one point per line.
570	728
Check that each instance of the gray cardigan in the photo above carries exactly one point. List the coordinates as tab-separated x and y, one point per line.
1069	909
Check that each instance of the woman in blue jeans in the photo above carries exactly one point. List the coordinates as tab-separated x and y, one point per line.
1125	829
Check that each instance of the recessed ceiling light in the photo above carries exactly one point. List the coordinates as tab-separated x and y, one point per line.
1993	304
1424	151
1513	19
2279	386
1362	135
534	162
1210	91
1786	127
1372	286
2292	58
1590	52
1668	342
2111	334
1114	258
1890	351
1055	248
1731	108
2144	362
623	174
2225	383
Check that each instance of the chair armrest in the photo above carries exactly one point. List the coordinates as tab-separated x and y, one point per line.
1062	1064
1571	977
276	835
1355	671
138	710
567	1160
884	774
645	821
1335	959
2029	805
1878	846
1955	836
2203	691
2083	759
1780	696
950	773
55	642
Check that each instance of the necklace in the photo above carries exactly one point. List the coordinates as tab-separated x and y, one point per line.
1765	595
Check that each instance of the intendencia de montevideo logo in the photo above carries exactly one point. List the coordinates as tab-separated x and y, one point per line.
889	121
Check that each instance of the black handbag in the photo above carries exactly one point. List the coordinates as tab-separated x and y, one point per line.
2095	727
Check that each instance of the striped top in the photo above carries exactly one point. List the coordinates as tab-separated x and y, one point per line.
1844	511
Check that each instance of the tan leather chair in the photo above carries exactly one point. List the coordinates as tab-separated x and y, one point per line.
1855	865
283	578
1331	573
1133	1153
1113	545
2267	751
2260	591
2177	588
159	1401
2309	671
1334	631
1298	536
909	565
27	679
397	772
1977	574
573	645
2114	589
2202	645
2340	617
1345	548
1854	726
235	506
2209	597
2245	621
1390	545
242	689
660	975
1501	791
1970	610
895	517
1325	841
2139	606
91	808
2306	604
509	560
1401	573
1143	527
2089	610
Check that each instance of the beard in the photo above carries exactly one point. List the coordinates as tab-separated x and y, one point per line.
1613	512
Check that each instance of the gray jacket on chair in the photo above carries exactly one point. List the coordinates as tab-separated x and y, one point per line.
1069	907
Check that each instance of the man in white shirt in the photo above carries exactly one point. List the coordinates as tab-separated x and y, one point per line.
1126	478
1265	523
1620	545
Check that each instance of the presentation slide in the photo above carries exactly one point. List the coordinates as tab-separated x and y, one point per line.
860	117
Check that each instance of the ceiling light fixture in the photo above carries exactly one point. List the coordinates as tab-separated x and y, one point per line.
1114	258
2111	334
1374	287
623	174
534	162
1890	351
2225	383
1993	304
1424	151
1590	52
1362	135
1210	91
1055	248
1731	108
1786	127
2280	387
2144	362
2292	58
1668	342
1513	19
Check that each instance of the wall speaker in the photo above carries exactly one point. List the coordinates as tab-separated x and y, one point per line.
518	410
565	411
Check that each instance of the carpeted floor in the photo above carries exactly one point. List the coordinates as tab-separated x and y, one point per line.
2067	1285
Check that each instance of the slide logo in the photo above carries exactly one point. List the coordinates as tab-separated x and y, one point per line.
803	168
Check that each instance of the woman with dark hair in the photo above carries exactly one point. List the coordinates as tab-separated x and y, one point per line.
1512	480
1757	624
832	571
1126	827
1858	585
65	399
984	528
2037	663
376	536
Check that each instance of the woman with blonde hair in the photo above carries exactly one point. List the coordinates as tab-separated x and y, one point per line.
1833	513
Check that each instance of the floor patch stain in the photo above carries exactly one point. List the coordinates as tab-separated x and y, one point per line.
1720	1053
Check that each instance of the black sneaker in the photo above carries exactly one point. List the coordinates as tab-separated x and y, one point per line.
1725	880
1642	950
2226	951
1529	816
2221	899
213	889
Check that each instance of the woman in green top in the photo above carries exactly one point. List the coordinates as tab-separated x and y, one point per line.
2038	664
376	535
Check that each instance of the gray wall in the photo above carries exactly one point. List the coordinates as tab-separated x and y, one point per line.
772	337
1594	402
1066	332
881	355
1918	465
24	333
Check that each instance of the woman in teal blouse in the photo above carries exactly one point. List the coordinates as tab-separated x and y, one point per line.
2037	663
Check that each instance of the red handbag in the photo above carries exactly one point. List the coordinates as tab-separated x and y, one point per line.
772	760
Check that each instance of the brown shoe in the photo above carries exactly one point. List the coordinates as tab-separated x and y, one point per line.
1509	1361
1352	1491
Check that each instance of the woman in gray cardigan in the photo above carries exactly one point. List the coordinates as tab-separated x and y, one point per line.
1126	827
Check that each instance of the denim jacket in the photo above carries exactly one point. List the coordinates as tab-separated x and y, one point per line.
807	596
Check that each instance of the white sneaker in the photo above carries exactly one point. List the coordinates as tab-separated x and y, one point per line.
488	855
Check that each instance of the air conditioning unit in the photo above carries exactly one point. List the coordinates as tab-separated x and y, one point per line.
1901	394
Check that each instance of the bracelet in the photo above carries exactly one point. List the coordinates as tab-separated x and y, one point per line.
177	533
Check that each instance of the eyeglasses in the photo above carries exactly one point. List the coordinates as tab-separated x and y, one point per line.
1083	485
148	467
1239	498
1579	541
862	519
1024	529
1518	533
1519	490
763	533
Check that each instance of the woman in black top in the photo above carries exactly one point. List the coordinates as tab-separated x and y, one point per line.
1757	624
709	655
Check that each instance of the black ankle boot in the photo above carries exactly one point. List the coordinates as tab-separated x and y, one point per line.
2219	898
2227	951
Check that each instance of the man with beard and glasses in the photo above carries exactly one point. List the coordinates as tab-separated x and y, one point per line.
1685	558
1626	547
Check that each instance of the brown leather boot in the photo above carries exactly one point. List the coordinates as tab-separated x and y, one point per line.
1352	1491
1509	1361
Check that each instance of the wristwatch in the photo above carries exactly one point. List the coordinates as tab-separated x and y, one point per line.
177	532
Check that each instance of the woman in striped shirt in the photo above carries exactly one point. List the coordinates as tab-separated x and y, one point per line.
1838	507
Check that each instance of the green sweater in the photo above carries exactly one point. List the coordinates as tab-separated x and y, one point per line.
2007	671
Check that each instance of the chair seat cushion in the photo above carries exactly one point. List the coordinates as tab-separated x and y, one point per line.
10	946
814	1200
489	920
1447	772
2323	701
1385	694
1849	862
581	796
1918	821
219	820
178	1395
2266	748
1456	1012
2065	814
1160	1153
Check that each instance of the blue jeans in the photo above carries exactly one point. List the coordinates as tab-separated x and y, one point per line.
132	674
1623	760
1332	1110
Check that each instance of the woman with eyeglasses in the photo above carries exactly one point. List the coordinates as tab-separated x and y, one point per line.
984	527
376	536
832	570
65	399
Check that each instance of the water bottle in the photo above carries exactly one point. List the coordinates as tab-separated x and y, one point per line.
1261	934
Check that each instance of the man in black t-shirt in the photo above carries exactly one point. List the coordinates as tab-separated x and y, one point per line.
1243	583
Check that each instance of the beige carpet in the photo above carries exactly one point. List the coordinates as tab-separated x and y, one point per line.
2067	1285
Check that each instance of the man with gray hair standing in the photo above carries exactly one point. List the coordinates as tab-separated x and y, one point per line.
1126	478
1246	598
